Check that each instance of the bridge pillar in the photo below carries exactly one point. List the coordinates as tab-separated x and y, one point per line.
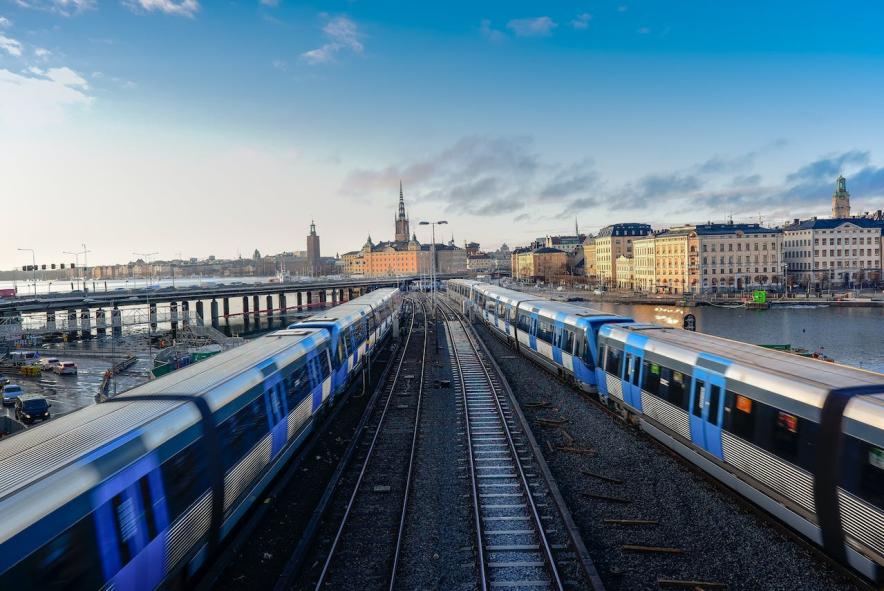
341	295
100	322
214	312
283	311
72	324
323	297
185	313
256	310
50	321
245	313
152	316
349	293
85	324
309	299
173	317
299	301
199	313
269	310
116	322
334	297
226	306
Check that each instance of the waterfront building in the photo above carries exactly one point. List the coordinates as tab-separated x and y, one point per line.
625	269
734	256
404	255
480	262
539	264
589	266
313	253
840	252
824	253
671	248
613	241
644	264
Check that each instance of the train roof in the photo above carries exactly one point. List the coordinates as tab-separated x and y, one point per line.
573	313
805	379
348	312
40	451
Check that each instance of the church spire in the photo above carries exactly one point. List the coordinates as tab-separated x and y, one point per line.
401	218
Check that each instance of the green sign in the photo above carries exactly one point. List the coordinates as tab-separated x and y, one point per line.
759	296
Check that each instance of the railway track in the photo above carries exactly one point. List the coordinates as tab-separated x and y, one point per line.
368	539
524	535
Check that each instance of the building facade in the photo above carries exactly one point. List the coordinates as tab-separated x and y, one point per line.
625	270
589	265
313	253
644	264
671	249
829	253
735	257
611	242
539	264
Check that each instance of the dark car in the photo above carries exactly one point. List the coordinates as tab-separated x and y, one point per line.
31	407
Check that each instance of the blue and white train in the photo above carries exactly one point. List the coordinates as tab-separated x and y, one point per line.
561	336
801	438
138	492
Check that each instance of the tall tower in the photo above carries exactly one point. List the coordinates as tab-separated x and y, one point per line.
401	220
841	199
313	264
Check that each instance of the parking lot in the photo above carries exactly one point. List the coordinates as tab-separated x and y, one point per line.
69	393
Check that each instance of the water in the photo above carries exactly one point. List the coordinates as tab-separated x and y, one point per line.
853	336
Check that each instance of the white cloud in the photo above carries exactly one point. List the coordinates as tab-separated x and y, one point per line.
342	34
10	45
490	33
42	53
582	21
40	97
177	7
5	22
63	7
540	26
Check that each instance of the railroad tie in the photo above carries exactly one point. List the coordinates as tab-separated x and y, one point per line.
677	583
650	549
601	477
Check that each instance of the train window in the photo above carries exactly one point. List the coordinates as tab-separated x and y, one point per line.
678	388
147	505
524	322
183	480
699	398
544	330
738	417
603	356
785	436
651	378
240	432
714	401
126	526
297	385
582	350
613	360
862	469
567	340
68	561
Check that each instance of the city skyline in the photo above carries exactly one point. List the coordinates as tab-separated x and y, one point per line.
211	129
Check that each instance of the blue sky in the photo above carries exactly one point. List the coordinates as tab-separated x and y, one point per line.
216	127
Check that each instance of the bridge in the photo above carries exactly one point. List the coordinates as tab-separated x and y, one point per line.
78	314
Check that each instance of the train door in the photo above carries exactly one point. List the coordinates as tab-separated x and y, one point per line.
131	522
706	405
557	343
532	332
276	406
632	394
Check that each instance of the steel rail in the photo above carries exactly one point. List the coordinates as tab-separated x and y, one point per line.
541	534
326	566
408	477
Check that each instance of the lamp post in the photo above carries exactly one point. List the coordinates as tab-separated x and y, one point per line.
34	266
146	255
433	257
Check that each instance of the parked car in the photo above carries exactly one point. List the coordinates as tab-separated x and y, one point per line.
65	368
3	381
10	393
31	407
49	363
20	358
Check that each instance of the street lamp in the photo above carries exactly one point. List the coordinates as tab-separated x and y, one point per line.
433	257
34	266
146	255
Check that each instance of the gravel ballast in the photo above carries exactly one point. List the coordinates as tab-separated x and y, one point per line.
711	535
